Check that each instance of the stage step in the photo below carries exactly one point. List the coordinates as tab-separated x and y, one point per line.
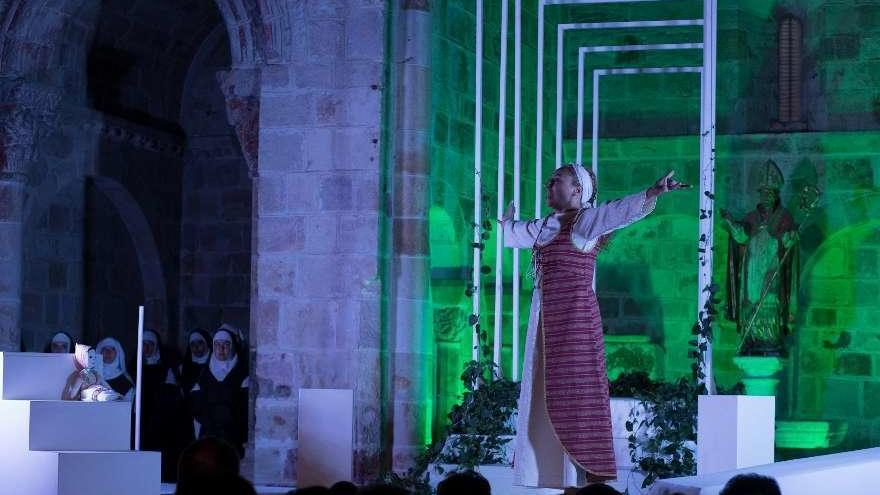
113	473
851	473
55	447
65	425
34	375
77	473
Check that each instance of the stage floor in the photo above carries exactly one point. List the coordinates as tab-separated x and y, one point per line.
168	489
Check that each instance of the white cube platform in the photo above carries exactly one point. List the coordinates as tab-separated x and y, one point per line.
851	473
501	476
734	431
55	447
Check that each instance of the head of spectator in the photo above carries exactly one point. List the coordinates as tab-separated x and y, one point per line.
383	489
751	484
206	458
222	484
313	490
470	482
597	489
344	488
61	342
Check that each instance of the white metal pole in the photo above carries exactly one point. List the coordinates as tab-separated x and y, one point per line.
139	375
560	35
499	246
478	194
517	129
594	136
539	112
580	111
707	180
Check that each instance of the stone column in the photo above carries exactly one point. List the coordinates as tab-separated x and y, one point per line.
241	90
22	111
410	334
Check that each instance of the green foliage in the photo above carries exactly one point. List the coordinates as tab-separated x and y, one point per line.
475	430
631	384
662	436
663	431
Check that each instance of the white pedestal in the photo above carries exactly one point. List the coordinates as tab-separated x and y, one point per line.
325	436
734	431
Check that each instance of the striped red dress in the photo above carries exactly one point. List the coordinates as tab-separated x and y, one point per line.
576	384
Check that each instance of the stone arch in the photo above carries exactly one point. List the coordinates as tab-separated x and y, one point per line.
834	217
837	333
149	262
32	32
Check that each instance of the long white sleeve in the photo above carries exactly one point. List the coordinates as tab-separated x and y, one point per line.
521	233
610	216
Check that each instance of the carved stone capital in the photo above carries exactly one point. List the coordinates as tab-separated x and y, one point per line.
241	88
27	113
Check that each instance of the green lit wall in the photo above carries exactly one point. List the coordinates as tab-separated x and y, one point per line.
647	276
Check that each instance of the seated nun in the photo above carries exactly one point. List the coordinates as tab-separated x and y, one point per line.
219	398
113	369
61	343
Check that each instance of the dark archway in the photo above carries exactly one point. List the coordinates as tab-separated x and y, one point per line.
123	266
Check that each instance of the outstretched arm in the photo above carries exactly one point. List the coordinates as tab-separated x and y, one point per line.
619	213
518	233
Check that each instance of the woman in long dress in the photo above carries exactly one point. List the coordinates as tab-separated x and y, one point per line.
564	424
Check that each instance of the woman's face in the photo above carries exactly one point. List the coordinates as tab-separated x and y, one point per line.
562	192
109	354
223	349
198	348
59	347
149	348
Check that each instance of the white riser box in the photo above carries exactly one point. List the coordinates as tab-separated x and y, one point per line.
65	425
79	473
34	375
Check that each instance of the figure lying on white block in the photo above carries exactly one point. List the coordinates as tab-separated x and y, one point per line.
86	383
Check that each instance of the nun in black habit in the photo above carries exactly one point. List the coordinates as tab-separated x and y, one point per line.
219	399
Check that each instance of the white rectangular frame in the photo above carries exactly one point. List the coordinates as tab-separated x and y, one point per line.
707	149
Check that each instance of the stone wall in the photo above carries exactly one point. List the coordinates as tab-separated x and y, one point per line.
53	237
215	249
316	284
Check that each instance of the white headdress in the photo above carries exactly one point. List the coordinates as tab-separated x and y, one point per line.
117	367
222	368
63	338
587	181
195	336
151	336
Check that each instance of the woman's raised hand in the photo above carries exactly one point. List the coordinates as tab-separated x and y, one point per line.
666	184
508	212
